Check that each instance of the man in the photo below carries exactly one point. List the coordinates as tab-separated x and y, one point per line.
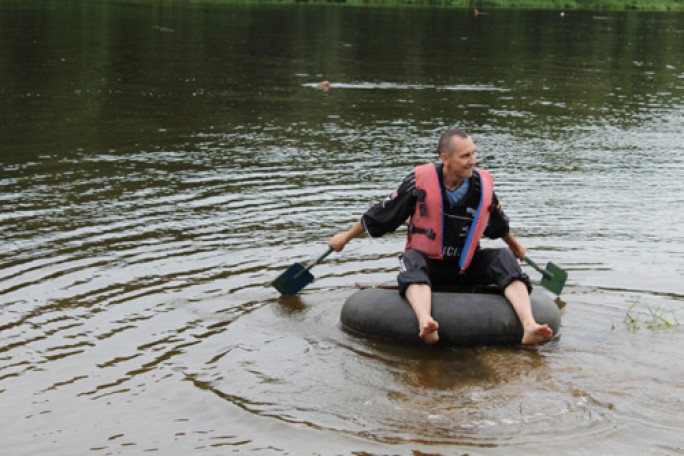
451	205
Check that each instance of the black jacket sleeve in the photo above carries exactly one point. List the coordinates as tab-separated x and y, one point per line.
498	221
393	211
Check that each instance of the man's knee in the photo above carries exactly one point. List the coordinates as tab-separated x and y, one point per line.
414	269
505	269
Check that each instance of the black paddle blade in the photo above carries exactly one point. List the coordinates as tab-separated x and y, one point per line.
556	282
293	280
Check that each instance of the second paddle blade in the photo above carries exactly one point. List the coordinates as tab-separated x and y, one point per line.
555	283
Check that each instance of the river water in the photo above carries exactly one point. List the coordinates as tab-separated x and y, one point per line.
161	164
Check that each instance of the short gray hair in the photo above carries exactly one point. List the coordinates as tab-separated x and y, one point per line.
444	145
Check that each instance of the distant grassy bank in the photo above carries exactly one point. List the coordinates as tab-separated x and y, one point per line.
646	5
594	5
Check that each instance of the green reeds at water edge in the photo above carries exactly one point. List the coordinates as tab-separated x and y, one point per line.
592	5
653	318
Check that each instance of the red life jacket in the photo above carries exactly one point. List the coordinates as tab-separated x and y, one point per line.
426	227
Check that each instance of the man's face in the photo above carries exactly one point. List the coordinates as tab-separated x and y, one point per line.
461	162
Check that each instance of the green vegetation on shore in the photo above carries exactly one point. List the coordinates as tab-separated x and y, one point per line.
653	5
591	5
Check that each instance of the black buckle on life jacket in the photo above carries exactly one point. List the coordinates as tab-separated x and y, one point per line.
420	195
429	232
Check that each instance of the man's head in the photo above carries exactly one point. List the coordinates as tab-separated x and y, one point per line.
446	141
458	153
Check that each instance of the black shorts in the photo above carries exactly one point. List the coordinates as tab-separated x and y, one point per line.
489	266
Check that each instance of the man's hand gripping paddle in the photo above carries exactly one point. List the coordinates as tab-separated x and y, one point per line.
297	277
553	277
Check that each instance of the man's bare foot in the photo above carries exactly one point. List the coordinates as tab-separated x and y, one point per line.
428	332
537	334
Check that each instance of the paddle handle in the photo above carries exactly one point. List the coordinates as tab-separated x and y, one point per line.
544	272
320	258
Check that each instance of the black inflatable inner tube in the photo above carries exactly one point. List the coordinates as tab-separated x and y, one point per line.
465	318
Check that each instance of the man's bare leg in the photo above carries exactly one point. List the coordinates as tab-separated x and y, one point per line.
533	332
419	295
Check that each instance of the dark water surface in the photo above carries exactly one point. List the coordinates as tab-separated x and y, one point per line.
161	165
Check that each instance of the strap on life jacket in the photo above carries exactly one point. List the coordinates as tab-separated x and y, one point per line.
429	232
420	195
